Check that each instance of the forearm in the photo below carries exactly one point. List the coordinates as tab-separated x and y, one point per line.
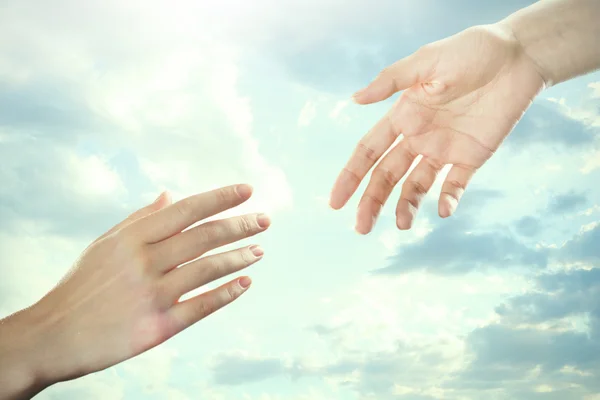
26	358
562	37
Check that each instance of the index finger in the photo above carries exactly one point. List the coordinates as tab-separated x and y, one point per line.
175	218
368	151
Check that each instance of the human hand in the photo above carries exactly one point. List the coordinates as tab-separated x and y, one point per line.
121	297
462	96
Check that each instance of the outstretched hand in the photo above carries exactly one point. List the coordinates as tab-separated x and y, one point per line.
461	97
122	297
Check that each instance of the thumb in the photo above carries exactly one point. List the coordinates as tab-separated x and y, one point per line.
163	200
401	75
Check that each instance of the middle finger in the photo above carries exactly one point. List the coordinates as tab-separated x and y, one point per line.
383	180
415	187
198	273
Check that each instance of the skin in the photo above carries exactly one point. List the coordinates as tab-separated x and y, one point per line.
121	298
461	97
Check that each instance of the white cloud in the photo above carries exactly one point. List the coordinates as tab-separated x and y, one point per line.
592	162
337	113
152	370
32	264
168	91
307	114
162	83
392	238
595	86
168	97
585	112
103	385
93	177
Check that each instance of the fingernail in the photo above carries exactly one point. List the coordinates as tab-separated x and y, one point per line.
244	191
356	95
403	224
263	220
333	204
360	231
244	282
257	251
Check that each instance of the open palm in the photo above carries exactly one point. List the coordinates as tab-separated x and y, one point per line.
462	96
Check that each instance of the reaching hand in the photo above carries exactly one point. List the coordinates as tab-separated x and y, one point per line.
122	296
462	96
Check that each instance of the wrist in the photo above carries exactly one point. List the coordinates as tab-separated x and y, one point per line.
20	377
559	37
30	351
511	28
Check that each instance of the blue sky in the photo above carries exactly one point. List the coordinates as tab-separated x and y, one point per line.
105	104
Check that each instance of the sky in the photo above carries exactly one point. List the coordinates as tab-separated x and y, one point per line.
104	104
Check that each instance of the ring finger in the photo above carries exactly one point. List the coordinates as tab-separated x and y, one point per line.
415	187
205	270
383	180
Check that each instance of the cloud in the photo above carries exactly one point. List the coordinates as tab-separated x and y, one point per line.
567	202
402	373
528	226
98	114
82	147
584	247
499	360
477	199
525	349
325	330
237	369
466	242
542	343
31	264
105	115
172	111
103	385
380	373
337	113
559	295
517	361
147	376
58	189
307	114
546	123
38	106
546	338
458	246
559	205
340	55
